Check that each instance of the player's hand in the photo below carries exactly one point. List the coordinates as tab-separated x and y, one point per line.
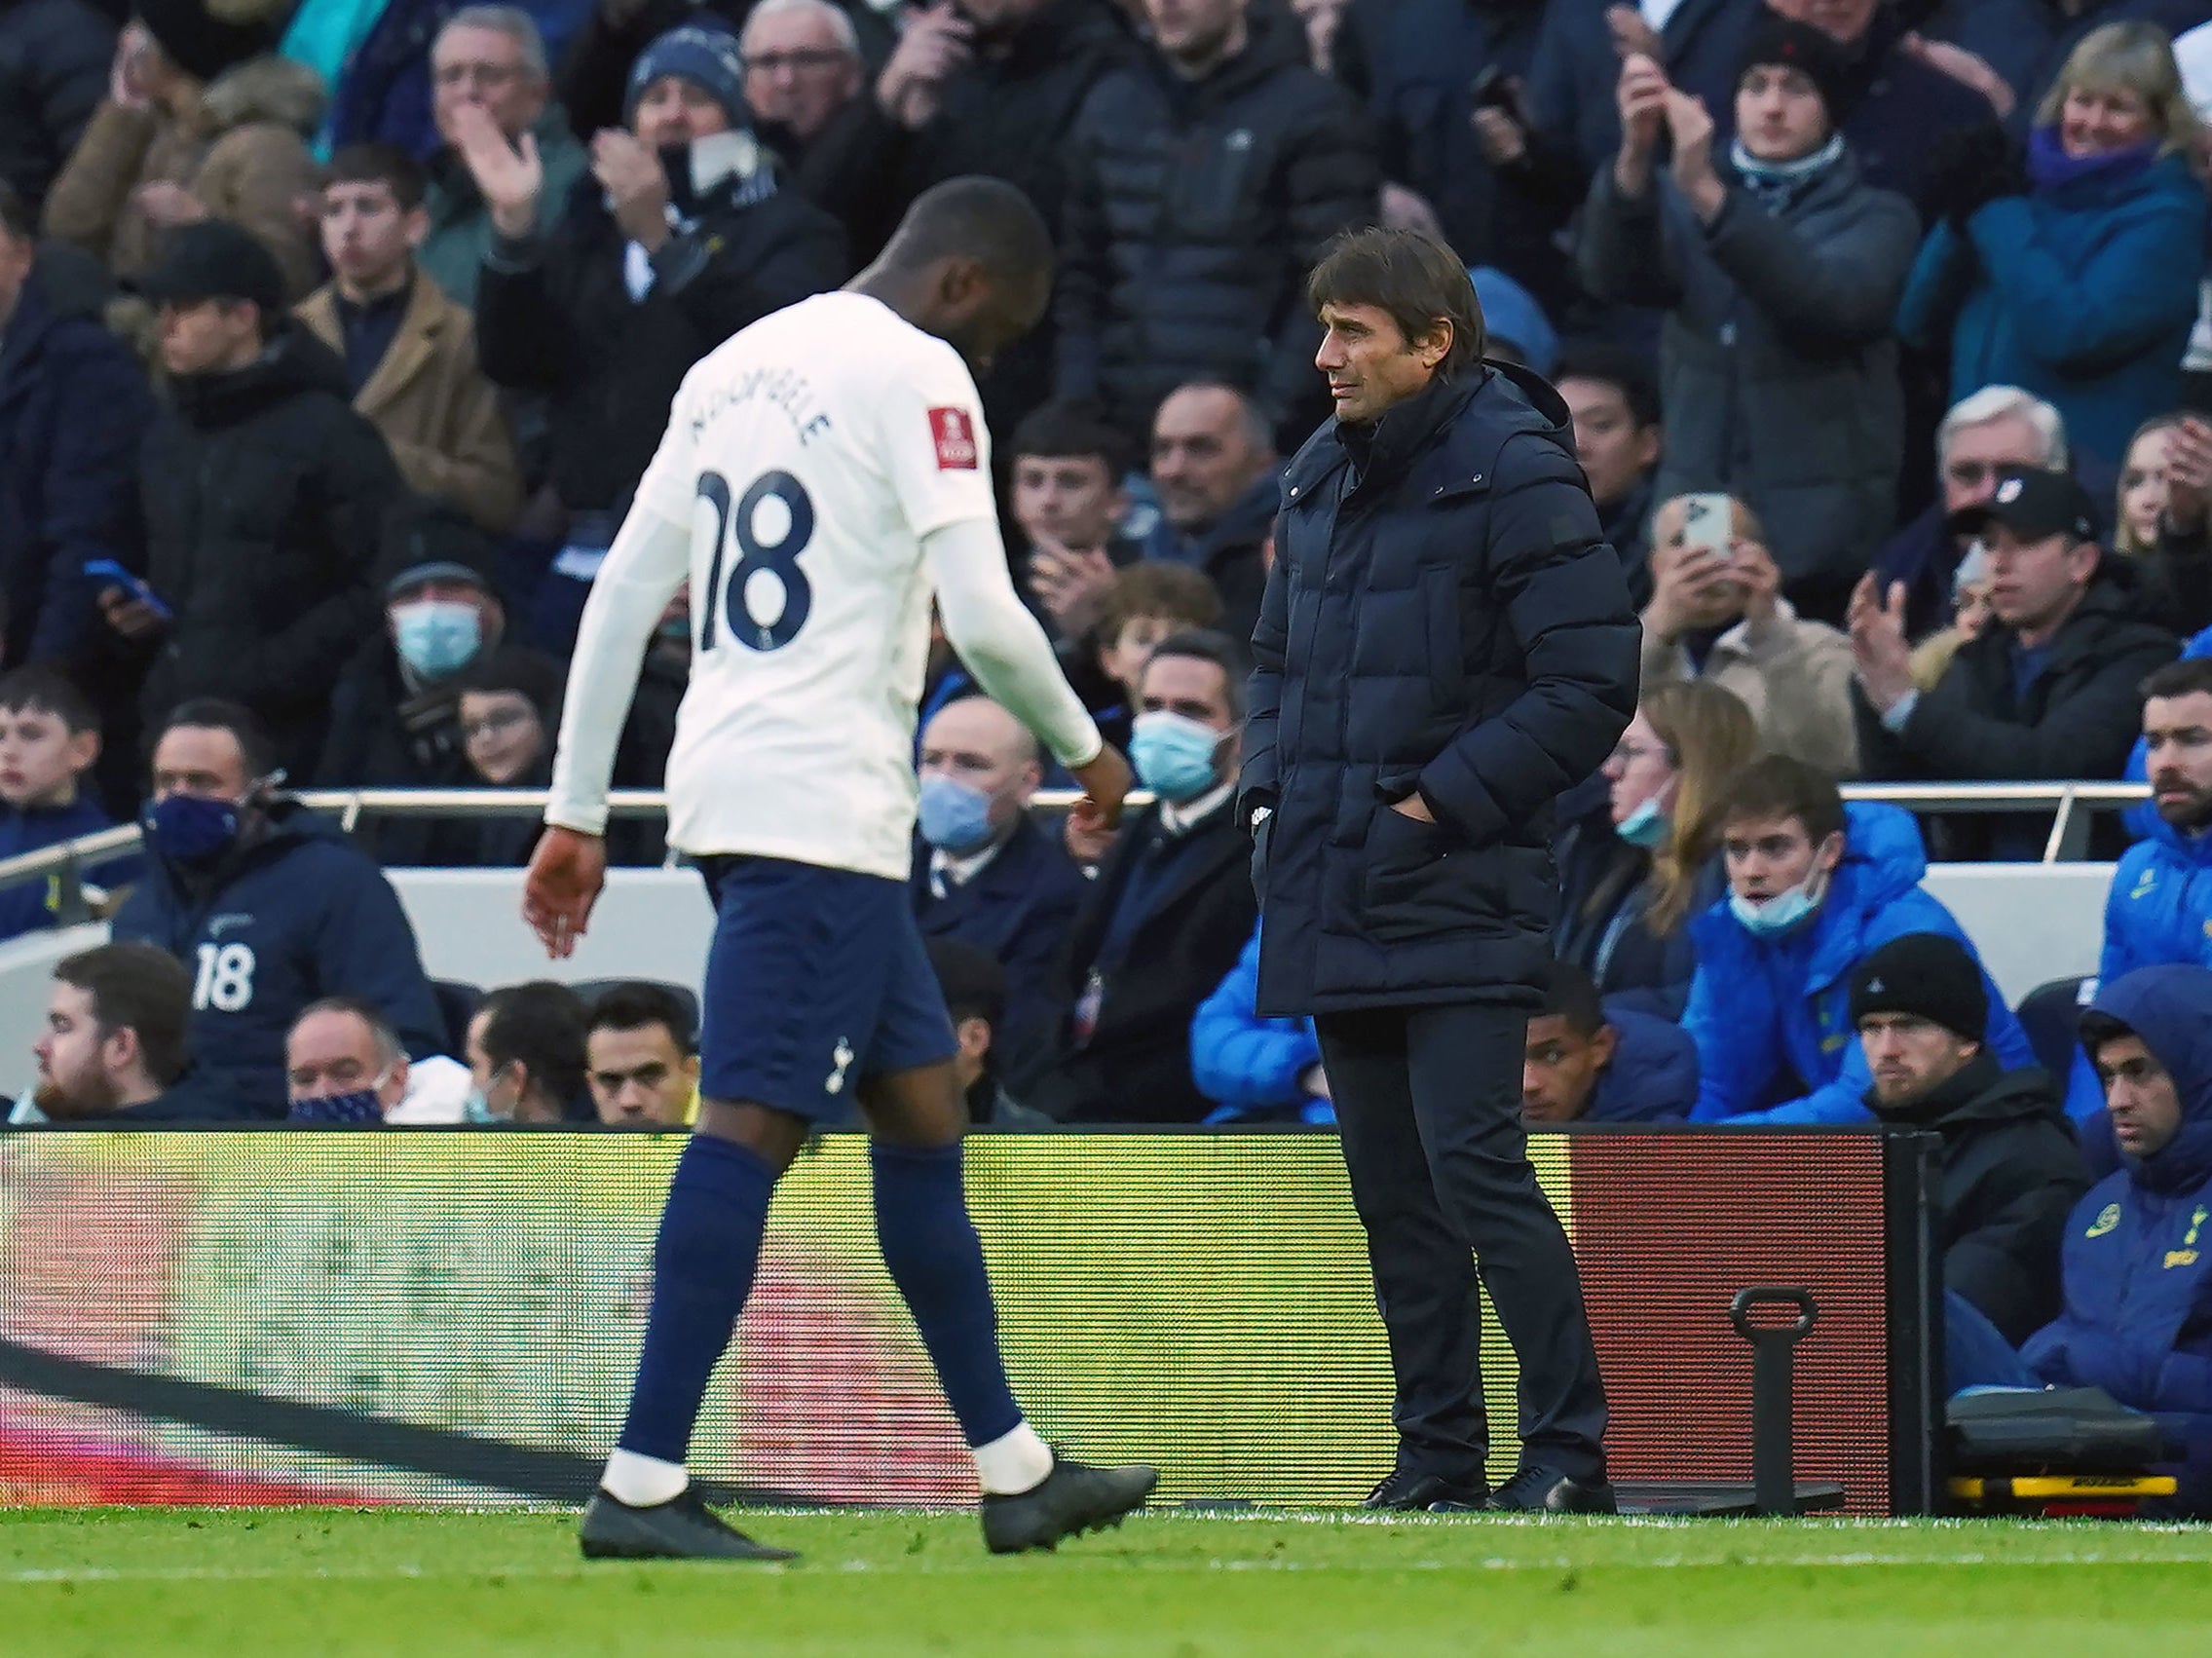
508	177
1105	785
563	881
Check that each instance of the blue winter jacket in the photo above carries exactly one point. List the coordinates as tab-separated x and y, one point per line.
295	916
28	908
1251	1065
2143	818
1772	1018
1654	1073
2084	294
2137	1259
2159	907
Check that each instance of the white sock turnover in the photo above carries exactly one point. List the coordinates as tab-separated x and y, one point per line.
1013	1462
641	1482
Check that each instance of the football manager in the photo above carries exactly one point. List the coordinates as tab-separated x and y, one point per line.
1445	645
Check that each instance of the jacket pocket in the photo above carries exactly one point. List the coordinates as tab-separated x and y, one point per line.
1400	882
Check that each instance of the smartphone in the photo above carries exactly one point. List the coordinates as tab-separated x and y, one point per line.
114	575
1709	523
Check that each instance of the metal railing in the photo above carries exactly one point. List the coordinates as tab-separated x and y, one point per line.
67	861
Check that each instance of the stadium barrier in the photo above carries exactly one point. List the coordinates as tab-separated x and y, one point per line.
451	1317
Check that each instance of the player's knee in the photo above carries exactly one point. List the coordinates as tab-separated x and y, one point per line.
772	1136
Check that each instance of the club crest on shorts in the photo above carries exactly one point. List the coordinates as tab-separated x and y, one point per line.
955	432
841	1057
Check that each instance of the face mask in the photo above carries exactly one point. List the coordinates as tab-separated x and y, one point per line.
955	818
437	637
1780	914
186	829
1648	826
479	1107
359	1105
1174	754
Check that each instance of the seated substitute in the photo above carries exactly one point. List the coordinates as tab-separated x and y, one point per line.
2161	905
116	1040
345	1062
1588	1062
642	1058
975	1001
527	1057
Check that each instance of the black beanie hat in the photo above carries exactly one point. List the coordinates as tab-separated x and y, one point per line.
1802	47
203	40
1929	975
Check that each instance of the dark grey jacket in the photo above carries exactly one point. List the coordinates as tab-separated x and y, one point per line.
1776	366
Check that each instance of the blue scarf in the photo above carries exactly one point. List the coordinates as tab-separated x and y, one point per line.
2051	169
1776	186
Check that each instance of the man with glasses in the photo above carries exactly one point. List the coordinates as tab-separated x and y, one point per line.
802	69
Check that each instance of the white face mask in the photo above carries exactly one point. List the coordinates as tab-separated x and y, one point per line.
1784	912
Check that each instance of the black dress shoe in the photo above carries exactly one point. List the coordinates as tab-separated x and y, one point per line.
1069	1502
682	1528
1409	1490
1538	1491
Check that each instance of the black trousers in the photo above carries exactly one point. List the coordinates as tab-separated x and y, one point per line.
1428	1104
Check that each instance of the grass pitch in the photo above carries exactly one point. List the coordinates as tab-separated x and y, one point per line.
231	1584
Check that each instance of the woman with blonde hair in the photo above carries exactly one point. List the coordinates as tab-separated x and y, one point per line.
2075	275
1643	861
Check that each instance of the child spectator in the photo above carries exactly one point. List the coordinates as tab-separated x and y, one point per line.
1151	600
50	739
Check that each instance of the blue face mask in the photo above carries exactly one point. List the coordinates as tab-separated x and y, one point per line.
955	818
359	1105
1648	826
1784	912
1174	754
437	637
185	829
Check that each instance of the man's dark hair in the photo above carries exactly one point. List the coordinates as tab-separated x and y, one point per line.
524	673
1203	644
1777	785
972	980
380	164
1571	993
15	215
2184	678
47	690
1618	367
540	1024
1074	429
391	1047
1411	276
641	1004
219	714
973	217
138	988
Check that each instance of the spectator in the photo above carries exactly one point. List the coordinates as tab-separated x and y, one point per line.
1599	1062
1150	600
54	71
985	874
1635	868
488	80
1815	888
527	1058
1618	439
802	69
2138	1286
264	494
2011	1168
2139	506
344	1063
2077	278
682	235
410	352
643	1058
2165	488
391	92
1200	186
266	906
2159	907
1718	616
1987	437
1515	329
1253	1068
200	122
49	740
1169	912
1217	473
1779	287
1068	500
115	1039
2050	692
975	999
73	410
1970	607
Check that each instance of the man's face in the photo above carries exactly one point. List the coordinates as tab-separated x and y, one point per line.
1070	500
1615	452
2178	733
1767	856
483	67
206	336
797	74
1780	113
1979	456
1370	364
640	1078
366	236
1197	689
1558	1072
1204	455
2034	584
980	316
673	110
73	1080
17	254
41	758
1193	31
335	1053
977	743
204	761
1844	21
1910	1058
2144	1106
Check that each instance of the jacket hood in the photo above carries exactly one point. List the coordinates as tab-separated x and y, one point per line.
1983	1093
295	364
266	89
1541	397
1884	858
2170	1007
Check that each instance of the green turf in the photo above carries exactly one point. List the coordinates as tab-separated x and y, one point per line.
154	1583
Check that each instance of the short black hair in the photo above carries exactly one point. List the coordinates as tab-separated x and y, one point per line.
540	1024
639	1004
46	688
1616	366
219	714
1076	428
973	217
1779	785
1571	993
140	988
2184	678
15	215
380	164
972	980
1205	645
1411	276
522	671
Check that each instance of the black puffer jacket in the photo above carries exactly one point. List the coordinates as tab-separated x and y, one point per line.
54	66
1193	213
1444	619
265	499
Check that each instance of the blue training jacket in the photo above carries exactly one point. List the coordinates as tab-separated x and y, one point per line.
1246	1065
1761	1011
